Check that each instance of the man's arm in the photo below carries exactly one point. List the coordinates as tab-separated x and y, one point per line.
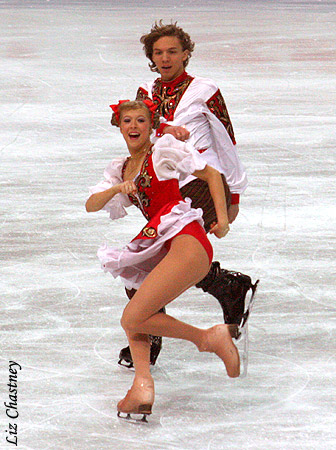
214	180
180	133
217	106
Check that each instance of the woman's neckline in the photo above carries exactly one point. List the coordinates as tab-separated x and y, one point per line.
146	155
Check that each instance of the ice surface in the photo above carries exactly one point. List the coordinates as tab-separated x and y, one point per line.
62	64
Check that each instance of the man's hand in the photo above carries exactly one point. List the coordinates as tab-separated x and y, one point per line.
180	133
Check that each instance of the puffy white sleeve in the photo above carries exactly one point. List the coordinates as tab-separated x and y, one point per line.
112	176
175	159
227	154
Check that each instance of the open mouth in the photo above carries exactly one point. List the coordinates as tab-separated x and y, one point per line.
134	135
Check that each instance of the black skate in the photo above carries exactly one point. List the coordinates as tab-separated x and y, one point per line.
125	357
249	306
230	289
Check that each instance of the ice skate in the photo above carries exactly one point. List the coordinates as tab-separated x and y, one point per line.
234	330
138	401
244	343
230	289
218	340
125	357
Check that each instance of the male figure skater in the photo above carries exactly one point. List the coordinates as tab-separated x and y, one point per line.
192	108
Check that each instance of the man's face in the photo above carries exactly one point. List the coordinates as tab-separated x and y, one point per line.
169	57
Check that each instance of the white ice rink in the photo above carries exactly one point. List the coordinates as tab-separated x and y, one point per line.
62	64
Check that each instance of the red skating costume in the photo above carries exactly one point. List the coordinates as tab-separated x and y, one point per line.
166	163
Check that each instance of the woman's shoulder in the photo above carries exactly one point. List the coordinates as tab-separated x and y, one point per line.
175	159
114	167
167	141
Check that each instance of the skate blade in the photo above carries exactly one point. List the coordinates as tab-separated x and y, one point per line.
244	353
249	308
243	333
136	417
124	363
130	365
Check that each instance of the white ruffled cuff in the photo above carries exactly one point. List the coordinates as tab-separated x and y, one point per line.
175	159
112	174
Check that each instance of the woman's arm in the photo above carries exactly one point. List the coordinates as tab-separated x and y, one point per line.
214	180
97	201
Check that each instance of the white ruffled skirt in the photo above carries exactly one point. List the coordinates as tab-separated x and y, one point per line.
138	258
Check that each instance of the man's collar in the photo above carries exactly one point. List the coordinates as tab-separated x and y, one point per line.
175	82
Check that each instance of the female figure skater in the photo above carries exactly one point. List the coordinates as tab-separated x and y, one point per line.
170	254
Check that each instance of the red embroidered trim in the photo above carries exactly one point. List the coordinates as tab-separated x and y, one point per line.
217	106
142	95
159	131
178	80
167	96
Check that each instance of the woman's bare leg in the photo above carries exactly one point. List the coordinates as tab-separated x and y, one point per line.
185	264
140	397
163	284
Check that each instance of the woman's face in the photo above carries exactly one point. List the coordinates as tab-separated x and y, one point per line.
135	126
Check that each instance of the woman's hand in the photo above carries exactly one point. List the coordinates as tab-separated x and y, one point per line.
127	187
180	133
219	230
97	201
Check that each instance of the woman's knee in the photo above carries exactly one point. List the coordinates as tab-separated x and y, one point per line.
126	322
129	321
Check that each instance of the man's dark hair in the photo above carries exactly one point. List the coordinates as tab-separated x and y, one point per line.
160	30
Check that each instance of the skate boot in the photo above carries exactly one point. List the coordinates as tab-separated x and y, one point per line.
218	339
230	289
139	400
125	357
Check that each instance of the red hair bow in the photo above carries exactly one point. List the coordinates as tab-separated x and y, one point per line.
150	105
148	102
115	108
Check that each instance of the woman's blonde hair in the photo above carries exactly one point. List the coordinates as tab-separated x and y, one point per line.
133	105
